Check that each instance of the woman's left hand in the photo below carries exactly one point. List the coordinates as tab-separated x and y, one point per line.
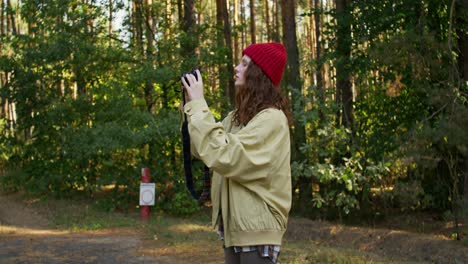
194	86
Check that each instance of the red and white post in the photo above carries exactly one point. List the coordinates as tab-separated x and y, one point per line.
145	209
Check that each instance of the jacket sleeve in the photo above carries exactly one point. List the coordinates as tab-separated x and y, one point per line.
236	156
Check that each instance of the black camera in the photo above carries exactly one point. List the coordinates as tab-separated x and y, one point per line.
194	72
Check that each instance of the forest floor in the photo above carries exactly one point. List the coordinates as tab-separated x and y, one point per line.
58	231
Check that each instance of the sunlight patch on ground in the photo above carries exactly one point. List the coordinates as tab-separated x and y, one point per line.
20	231
189	228
334	230
15	230
186	252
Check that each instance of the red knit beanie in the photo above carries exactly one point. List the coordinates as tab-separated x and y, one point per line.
270	57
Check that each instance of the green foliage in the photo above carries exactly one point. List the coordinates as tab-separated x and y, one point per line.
181	203
341	173
173	196
83	123
343	187
408	196
432	120
410	113
91	112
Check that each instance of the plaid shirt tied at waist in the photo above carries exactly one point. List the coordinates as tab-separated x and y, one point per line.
267	251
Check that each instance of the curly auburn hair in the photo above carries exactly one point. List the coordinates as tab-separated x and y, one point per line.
258	93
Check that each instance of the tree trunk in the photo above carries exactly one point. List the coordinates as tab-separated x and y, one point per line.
220	43
180	10
343	85
18	20
111	13
242	22
168	16
236	39
189	44
89	18
10	109
225	40
292	74
276	24
310	32
137	15
149	32
2	20
189	15
78	82
267	20
149	90
219	21
461	22
318	58
7	20
12	115
253	30
2	74
292	78
12	18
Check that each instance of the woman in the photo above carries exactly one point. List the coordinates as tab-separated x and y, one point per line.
249	153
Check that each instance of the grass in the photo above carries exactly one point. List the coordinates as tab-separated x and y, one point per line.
83	215
189	240
303	252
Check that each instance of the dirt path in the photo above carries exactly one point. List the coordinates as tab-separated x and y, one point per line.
27	237
391	244
56	247
13	211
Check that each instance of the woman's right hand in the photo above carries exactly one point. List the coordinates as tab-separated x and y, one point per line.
194	86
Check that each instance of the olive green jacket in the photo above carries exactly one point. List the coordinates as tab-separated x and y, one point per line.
251	182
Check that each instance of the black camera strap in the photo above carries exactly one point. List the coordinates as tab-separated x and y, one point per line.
203	195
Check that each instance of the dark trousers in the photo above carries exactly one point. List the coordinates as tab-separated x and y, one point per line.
231	257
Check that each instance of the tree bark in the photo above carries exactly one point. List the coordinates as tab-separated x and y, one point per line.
189	44
318	59
267	20
462	65
292	74
168	16
276	24
149	89
227	81
236	23
461	23
180	10
137	14
343	85
89	18
12	18
189	15
292	78
149	32
2	19
242	17
111	13
2	74
253	30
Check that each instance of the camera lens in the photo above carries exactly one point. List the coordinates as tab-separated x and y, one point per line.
186	80
194	72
